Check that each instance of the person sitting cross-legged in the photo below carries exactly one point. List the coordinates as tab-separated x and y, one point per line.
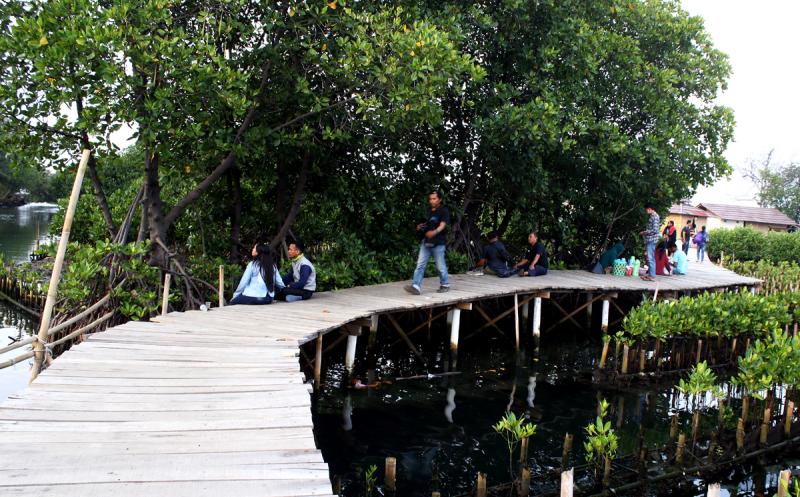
496	257
535	261
301	280
680	262
260	279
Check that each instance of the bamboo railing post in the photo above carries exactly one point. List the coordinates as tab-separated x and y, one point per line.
221	291
390	475
55	277
165	296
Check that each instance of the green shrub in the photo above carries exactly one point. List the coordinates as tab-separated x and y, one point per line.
747	244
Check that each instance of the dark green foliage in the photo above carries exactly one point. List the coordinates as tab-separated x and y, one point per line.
747	244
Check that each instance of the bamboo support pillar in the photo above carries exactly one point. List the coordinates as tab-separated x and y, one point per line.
454	327
55	277
589	298
566	483
165	295
713	490
516	321
604	315
350	353
318	363
221	290
391	474
537	316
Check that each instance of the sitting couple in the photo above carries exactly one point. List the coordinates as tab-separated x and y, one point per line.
261	282
497	259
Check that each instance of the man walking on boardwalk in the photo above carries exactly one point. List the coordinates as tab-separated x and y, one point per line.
432	235
686	237
651	235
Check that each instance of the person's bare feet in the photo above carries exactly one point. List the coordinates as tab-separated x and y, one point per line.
647	278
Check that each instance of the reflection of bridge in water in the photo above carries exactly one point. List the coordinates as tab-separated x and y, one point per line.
215	403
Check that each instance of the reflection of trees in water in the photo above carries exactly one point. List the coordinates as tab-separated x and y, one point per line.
18	229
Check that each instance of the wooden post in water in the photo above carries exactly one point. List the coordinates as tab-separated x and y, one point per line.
740	435
221	290
566	451
38	235
165	294
680	449
480	487
350	353
537	316
625	350
589	305
713	490
604	354
783	483
525	483
523	451
604	315
762	438
566	483
391	474
55	277
318	363
516	320
787	423
454	329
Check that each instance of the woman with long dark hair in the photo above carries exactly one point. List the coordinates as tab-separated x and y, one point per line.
260	279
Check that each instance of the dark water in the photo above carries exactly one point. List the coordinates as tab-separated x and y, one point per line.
17	241
441	426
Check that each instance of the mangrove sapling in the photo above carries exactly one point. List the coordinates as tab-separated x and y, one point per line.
602	444
513	429
369	480
701	382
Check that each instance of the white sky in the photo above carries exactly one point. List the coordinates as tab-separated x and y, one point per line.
761	40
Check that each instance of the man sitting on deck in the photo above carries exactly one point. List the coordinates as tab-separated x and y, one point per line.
496	257
680	262
535	261
301	281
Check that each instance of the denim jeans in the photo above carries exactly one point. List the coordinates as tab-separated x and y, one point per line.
425	254
293	294
244	299
651	258
685	247
701	253
537	271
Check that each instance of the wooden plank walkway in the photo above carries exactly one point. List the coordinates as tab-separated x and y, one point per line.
214	403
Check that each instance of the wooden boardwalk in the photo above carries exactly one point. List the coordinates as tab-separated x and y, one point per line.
214	403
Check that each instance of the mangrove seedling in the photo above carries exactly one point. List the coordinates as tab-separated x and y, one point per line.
513	429
370	479
602	443
701	381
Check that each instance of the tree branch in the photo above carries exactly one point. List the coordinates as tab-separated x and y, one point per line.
299	192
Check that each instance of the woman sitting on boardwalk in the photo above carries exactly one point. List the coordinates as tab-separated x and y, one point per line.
260	279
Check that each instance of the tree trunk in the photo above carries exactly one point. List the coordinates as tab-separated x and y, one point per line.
235	191
100	195
299	192
157	224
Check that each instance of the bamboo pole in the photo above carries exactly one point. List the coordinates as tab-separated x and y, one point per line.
523	451
391	474
625	350
516	320
783	483
604	355
165	295
318	363
566	451
713	490
680	449
566	483
762	439
740	435
525	482
787	423
55	277
480	489
221	290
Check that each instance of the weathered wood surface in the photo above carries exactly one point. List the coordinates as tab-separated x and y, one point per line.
214	403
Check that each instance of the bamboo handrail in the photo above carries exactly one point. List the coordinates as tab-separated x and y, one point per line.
16	345
15	360
78	317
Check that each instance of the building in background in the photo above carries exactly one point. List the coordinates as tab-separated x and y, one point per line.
680	213
761	219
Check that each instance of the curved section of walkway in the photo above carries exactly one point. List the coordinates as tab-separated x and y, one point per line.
214	403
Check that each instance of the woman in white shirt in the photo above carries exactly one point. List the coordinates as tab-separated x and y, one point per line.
260	279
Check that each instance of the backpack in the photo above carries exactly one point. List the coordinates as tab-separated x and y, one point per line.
699	238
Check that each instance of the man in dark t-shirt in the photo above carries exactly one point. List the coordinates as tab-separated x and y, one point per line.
496	257
432	244
535	262
686	237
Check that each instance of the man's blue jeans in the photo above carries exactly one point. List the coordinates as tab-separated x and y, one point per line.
651	258
425	254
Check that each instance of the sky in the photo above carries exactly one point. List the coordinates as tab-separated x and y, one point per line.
761	40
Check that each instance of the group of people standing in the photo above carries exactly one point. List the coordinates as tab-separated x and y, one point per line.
660	245
262	283
689	235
